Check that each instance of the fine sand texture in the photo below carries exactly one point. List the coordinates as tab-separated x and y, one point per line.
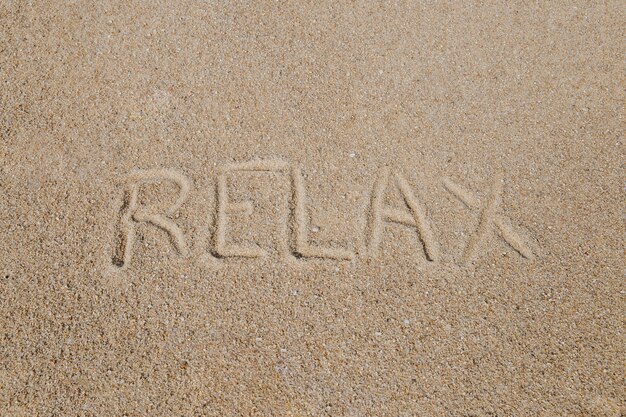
343	208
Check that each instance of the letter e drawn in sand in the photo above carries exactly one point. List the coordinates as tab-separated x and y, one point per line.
225	207
416	217
132	214
489	220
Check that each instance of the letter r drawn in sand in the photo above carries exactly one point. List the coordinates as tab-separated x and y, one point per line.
133	214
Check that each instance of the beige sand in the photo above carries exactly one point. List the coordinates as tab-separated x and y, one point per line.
342	209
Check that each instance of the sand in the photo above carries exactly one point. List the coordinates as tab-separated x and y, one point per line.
312	209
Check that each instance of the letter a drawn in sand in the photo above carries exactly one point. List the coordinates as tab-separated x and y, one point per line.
489	220
416	217
132	214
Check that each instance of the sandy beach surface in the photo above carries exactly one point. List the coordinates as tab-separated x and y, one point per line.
215	208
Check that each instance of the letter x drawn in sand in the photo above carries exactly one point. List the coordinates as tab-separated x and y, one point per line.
489	221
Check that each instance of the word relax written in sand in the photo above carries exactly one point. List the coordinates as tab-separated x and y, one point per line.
413	215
